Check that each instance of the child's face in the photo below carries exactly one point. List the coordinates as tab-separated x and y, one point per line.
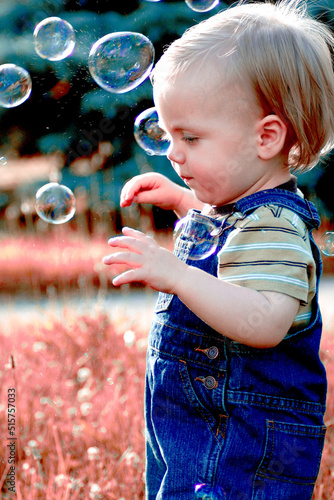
213	138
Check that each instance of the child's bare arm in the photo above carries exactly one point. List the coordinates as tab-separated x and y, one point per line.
160	191
227	308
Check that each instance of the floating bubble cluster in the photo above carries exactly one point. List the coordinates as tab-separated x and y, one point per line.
206	492
55	203
202	5
121	61
326	244
15	85
54	39
205	237
149	135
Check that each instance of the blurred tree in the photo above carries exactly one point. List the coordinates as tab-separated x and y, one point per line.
67	111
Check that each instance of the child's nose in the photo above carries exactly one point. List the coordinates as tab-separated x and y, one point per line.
174	154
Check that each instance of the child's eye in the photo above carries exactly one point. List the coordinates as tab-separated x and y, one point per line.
189	140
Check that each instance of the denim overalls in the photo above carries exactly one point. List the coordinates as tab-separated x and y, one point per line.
225	421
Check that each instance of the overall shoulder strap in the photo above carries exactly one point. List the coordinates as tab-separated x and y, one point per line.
280	197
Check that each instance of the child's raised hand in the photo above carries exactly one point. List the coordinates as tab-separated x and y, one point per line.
150	264
160	191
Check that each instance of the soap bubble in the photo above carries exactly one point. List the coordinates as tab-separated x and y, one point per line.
3	160
204	237
149	135
121	61
15	85
54	39
202	5
326	244
55	203
206	492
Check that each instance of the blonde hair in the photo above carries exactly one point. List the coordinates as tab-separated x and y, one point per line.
282	53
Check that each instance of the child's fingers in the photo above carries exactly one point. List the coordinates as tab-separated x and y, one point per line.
132	239
124	278
128	258
130	191
129	231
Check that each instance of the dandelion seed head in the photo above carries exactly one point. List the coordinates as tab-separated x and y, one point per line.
94	491
77	430
93	453
39	415
132	458
39	346
32	443
83	374
58	402
61	479
85	408
72	411
129	338
76	484
84	394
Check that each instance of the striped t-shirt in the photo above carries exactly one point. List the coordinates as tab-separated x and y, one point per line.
269	250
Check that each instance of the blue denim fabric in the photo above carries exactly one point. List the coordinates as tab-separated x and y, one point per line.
225	421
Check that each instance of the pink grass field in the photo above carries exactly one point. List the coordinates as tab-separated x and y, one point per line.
79	425
79	383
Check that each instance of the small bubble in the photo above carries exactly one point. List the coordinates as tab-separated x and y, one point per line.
202	5
326	244
121	61
3	160
55	203
15	85
207	492
149	135
54	39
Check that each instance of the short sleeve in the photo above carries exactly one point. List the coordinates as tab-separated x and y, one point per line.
270	251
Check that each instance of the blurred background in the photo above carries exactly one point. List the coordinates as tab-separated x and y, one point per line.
72	345
73	131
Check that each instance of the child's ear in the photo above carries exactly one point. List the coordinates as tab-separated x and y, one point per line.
271	134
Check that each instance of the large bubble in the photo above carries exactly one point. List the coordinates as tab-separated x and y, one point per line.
15	85
55	203
326	244
149	135
54	39
202	5
121	61
204	237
